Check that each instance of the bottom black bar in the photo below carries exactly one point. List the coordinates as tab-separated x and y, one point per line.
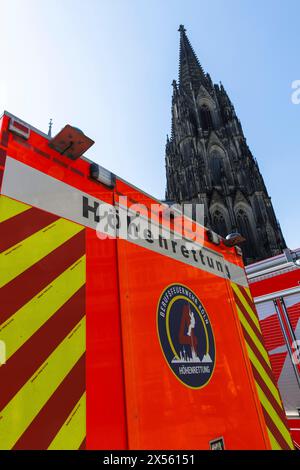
132	459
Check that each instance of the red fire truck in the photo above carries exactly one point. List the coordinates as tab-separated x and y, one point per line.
275	286
119	342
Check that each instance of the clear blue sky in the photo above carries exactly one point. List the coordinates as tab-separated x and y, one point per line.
106	66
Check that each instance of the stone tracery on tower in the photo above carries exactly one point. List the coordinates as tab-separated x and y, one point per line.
208	161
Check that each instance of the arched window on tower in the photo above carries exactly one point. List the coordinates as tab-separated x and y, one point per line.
193	123
206	120
244	228
216	168
219	224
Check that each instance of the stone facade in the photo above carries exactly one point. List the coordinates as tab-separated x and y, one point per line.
208	161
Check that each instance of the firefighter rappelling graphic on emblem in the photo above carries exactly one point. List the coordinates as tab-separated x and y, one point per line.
186	336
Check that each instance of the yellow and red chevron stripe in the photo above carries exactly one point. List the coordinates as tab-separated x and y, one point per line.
267	391
2	163
42	322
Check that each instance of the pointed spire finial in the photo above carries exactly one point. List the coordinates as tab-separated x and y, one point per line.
50	128
191	73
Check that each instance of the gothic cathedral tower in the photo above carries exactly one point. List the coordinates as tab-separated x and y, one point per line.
208	161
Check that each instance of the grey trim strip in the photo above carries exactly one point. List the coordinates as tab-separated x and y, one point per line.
38	189
34	129
274	295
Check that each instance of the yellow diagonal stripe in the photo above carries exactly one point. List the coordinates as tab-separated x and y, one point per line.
9	208
269	383
20	257
274	443
274	416
22	409
246	306
254	338
248	292
73	431
260	369
31	316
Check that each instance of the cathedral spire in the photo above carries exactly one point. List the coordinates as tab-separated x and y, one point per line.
208	161
191	73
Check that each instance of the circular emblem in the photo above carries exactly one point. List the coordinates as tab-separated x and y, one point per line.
186	336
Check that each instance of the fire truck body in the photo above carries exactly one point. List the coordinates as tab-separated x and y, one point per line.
119	342
275	286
